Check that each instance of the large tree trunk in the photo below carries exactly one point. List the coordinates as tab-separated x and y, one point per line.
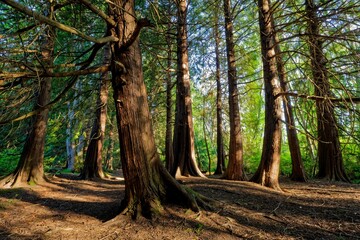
267	173
184	147
30	167
235	168
329	152
219	131
298	172
147	182
93	160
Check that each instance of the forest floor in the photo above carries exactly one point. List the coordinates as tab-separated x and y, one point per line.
64	208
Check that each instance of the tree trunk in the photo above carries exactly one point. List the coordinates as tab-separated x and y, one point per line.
147	182
298	172
109	155
329	152
70	146
235	168
169	150
267	173
93	160
219	131
184	149
30	166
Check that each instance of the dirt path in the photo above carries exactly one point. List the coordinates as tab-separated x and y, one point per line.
72	209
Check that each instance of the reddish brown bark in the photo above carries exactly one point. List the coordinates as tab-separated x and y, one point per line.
235	168
329	152
220	165
30	166
93	160
267	173
148	183
184	147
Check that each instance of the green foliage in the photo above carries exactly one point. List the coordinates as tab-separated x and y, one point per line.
8	161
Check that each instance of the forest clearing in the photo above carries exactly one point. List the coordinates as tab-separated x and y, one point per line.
77	209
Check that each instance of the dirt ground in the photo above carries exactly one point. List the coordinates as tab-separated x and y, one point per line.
71	209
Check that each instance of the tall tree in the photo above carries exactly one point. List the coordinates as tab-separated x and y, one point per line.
93	161
220	165
235	168
184	147
30	166
148	183
267	173
329	152
298	171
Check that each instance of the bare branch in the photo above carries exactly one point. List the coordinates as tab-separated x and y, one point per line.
319	98
98	12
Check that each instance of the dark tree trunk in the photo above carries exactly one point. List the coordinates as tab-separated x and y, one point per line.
30	166
147	182
219	131
169	150
184	147
267	173
109	155
298	172
329	152
93	161
235	168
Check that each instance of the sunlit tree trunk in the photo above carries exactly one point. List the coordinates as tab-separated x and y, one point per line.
184	147
93	160
219	131
148	183
267	173
329	152
109	155
70	146
298	172
30	166
235	168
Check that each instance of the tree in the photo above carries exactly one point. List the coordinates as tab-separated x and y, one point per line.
93	161
148	183
30	167
235	168
220	165
329	152
184	148
267	173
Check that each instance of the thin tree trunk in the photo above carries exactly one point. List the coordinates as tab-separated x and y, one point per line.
329	152
109	155
205	139
93	160
235	168
184	149
70	146
30	166
219	131
169	150
298	172
267	173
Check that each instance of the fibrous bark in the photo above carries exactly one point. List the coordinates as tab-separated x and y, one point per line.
93	161
329	152
147	182
267	173
184	146
235	168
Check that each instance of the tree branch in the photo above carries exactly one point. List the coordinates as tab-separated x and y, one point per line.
319	98
56	24
141	23
98	12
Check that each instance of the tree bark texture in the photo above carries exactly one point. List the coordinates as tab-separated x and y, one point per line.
267	173
30	166
329	152
93	160
109	155
298	171
235	168
184	143
147	182
220	166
